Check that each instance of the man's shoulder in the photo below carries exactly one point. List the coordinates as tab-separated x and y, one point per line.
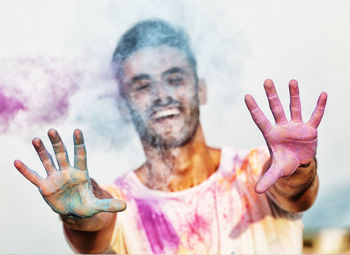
120	184
230	151
243	159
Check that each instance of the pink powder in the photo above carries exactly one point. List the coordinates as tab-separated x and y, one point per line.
159	230
9	107
40	87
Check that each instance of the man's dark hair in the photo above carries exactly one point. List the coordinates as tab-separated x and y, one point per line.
151	33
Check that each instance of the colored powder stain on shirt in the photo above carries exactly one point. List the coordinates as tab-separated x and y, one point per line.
159	230
222	215
198	226
253	160
199	231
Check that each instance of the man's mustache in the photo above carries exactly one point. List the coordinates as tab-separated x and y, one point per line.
169	103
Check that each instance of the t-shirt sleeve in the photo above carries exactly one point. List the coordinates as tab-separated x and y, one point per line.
252	168
117	244
254	162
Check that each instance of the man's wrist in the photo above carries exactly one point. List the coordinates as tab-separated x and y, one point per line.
92	223
72	219
299	181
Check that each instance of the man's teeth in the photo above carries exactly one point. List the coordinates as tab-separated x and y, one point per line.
166	113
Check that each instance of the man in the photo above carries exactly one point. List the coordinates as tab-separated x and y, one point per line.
187	197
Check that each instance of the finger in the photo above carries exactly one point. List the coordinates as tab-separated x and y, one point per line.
317	115
59	148
80	159
258	116
295	105
110	205
31	175
44	156
268	179
274	102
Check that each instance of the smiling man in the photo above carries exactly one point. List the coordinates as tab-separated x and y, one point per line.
187	197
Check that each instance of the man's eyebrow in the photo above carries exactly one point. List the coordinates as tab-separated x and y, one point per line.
140	77
174	70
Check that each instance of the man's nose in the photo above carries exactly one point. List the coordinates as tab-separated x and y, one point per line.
161	92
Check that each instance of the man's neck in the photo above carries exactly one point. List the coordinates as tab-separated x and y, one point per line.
179	168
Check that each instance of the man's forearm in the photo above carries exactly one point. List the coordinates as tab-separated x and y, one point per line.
297	192
88	240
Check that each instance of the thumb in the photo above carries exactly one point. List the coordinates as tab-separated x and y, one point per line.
268	179
290	164
110	205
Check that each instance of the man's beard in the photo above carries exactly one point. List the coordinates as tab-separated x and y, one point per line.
155	140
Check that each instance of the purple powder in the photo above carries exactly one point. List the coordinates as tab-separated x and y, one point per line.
160	232
39	86
9	107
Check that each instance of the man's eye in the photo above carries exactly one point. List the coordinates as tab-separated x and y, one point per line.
176	80
142	86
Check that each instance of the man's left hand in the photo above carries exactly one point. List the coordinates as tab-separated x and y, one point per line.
291	143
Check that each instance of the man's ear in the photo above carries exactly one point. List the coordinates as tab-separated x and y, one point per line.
202	91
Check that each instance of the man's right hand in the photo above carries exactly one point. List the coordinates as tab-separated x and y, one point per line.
67	190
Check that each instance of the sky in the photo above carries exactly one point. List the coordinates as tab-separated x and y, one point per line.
54	72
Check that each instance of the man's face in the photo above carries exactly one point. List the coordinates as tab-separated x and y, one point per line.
160	90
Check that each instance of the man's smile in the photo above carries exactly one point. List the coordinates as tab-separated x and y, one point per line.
166	113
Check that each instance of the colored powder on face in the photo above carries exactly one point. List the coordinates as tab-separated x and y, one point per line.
159	230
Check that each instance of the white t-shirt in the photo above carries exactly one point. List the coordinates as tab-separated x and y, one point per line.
222	215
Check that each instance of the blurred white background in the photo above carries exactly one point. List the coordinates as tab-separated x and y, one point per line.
54	72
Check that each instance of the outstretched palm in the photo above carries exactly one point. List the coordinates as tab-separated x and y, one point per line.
291	143
68	191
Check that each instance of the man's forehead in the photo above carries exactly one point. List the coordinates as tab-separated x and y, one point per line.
154	61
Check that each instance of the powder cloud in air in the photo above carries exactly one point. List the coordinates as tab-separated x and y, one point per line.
35	90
